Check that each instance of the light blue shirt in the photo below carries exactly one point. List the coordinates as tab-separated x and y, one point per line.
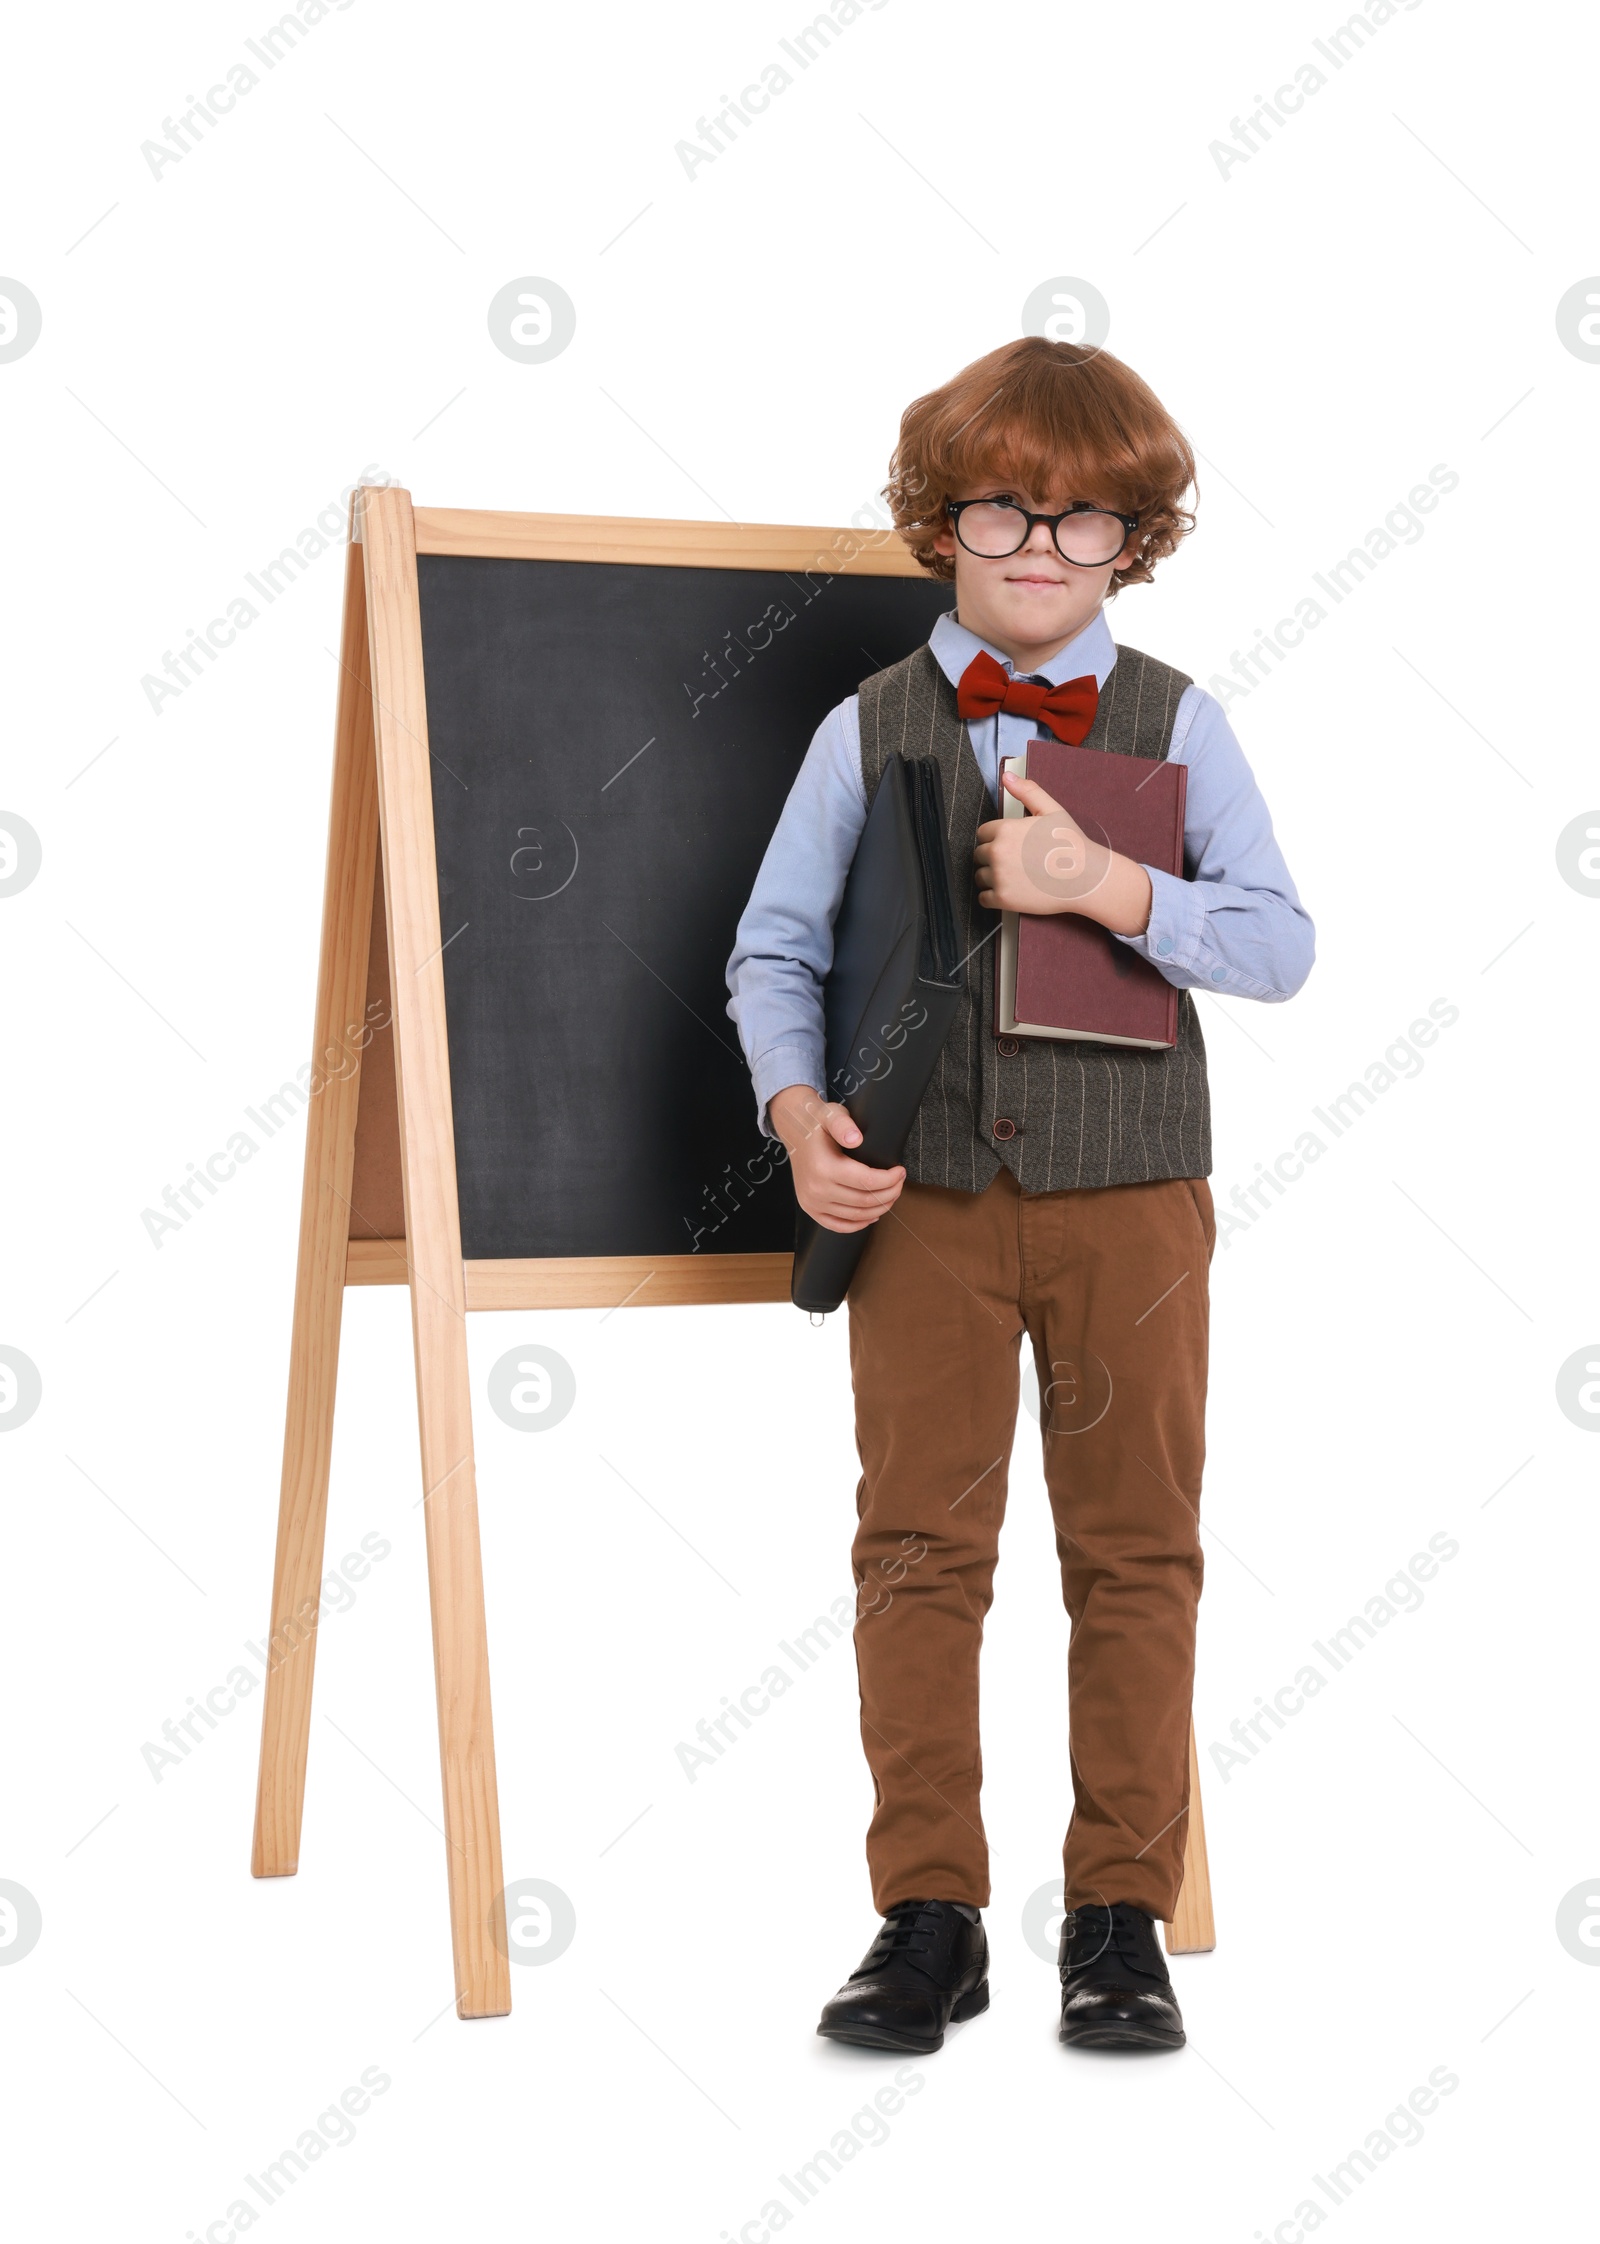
1233	924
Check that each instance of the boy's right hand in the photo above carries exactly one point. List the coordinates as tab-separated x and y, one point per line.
835	1191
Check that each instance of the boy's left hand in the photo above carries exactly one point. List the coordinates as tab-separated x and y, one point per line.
1046	863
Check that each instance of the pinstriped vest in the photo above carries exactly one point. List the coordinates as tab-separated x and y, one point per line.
1084	1114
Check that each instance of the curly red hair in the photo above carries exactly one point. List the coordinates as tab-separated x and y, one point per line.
1054	419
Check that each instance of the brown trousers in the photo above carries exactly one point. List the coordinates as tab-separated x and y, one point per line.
1111	1287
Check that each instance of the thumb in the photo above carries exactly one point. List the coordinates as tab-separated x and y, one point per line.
1032	796
837	1122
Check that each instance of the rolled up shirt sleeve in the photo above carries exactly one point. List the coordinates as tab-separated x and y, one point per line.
1235	923
783	948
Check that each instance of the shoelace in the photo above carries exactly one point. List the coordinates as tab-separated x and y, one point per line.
908	1927
1102	1932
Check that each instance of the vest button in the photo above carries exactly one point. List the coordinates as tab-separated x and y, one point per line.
1004	1128
1008	1047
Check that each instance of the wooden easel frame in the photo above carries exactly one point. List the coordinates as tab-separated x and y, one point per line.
381	824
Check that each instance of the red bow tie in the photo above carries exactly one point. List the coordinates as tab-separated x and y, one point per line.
1067	710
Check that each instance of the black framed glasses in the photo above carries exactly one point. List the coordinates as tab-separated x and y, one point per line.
1088	536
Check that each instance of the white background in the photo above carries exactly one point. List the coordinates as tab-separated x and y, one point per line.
1370	294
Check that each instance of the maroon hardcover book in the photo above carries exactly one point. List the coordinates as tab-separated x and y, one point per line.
1061	974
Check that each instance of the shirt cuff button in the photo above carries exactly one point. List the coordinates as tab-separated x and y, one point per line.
1219	973
1165	946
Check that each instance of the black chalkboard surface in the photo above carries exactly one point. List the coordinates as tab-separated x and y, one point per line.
611	745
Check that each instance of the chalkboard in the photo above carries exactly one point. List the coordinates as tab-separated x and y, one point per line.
561	745
611	744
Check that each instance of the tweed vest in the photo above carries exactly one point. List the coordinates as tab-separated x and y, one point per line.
1080	1114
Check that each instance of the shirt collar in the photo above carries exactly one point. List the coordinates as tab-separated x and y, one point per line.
1093	651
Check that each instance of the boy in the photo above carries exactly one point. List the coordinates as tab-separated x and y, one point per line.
1050	1187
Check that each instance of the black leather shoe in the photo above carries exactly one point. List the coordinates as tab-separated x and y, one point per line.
928	1965
1115	1992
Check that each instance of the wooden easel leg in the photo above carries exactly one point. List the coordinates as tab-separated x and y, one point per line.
433	1256
319	1279
1192	1928
460	1655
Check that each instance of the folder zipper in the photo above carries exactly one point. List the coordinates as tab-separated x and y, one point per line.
936	959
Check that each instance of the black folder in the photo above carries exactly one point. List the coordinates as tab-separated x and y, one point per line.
889	999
